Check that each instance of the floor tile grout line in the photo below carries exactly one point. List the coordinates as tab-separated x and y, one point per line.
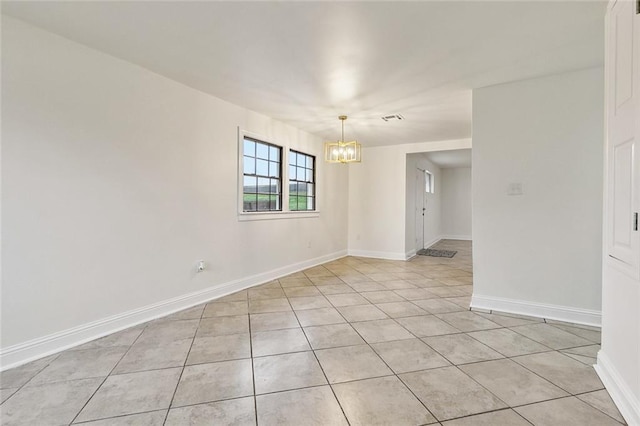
108	375
253	373
175	390
320	365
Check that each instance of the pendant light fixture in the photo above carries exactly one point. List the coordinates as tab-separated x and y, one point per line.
341	151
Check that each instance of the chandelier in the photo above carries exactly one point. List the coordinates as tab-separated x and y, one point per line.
341	151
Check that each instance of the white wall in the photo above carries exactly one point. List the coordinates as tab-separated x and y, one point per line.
116	181
432	218
456	203
377	199
543	247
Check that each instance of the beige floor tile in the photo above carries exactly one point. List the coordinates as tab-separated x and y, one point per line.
150	356
397	285
219	348
279	342
382	296
318	271
381	276
363	286
132	393
495	418
347	299
362	313
461	349
437	306
221	309
415	294
321	316
462	301
551	336
84	364
508	321
404	356
594	336
467	321
186	314
263	306
18	376
427	325
507	342
273	321
381	401
335	289
120	338
240	412
381	331
331	336
295	282
449	393
238	296
511	382
6	393
266	293
351	363
603	402
562	371
151	418
315	406
566	412
289	371
165	331
324	281
302	291
51	403
218	326
309	302
400	309
213	382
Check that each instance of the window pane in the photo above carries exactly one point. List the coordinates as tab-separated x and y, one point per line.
301	160
302	188
293	202
262	151
250	202
293	158
311	203
309	162
293	189
250	184
309	175
263	185
263	202
300	172
249	148
249	165
292	173
262	167
274	169
274	186
274	153
310	189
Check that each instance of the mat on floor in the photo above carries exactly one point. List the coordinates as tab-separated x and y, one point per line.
437	253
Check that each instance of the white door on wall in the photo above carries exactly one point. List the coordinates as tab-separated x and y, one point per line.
420	208
623	121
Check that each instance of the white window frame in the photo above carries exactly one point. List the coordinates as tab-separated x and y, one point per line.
430	185
285	213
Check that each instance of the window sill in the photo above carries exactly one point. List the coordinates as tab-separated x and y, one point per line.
247	216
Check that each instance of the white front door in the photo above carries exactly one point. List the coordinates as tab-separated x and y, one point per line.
420	208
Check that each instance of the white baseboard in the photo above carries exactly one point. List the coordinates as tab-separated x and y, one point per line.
408	255
538	310
15	355
378	254
428	244
456	237
627	403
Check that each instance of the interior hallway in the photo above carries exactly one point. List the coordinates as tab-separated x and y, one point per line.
354	341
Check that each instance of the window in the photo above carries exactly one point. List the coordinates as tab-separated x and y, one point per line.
430	185
262	169
302	179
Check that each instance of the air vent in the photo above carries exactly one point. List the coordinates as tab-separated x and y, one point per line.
392	117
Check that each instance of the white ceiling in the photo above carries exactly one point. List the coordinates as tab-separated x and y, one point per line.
450	159
305	63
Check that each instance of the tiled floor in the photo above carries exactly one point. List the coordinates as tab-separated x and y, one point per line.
355	341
